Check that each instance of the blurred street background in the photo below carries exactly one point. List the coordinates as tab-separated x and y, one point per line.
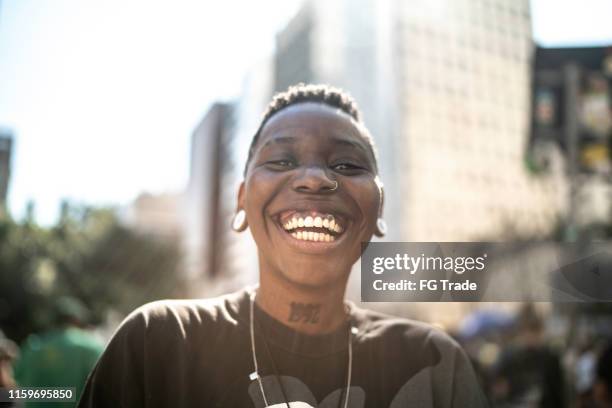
125	125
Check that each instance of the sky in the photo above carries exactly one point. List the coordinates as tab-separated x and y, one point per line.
102	96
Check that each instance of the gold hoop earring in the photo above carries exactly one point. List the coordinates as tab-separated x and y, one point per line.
239	222
381	228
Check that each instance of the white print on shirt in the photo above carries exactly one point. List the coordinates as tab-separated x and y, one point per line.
300	394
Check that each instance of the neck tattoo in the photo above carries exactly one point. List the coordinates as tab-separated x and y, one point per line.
304	312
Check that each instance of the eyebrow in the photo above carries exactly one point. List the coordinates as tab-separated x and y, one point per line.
338	141
350	143
279	140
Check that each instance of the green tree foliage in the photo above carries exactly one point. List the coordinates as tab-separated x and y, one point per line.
22	303
89	255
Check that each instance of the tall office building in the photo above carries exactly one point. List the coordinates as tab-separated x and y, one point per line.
572	109
256	93
6	147
220	260
465	93
207	213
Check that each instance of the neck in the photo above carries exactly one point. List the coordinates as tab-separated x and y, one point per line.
304	309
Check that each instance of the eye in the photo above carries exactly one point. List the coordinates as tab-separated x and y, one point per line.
280	165
348	168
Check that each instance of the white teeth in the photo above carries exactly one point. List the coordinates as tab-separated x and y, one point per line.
313	236
327	222
335	227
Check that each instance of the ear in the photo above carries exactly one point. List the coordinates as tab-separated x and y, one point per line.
382	202
239	221
381	225
241	199
381	192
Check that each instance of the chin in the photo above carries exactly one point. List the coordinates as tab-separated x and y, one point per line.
319	274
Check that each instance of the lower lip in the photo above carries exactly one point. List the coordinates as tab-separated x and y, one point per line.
310	246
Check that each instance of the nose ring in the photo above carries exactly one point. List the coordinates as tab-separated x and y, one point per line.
335	186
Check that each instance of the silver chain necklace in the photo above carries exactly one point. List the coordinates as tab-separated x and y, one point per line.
255	375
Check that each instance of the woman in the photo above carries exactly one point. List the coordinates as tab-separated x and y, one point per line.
310	196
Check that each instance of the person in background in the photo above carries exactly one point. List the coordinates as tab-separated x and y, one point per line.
63	356
529	373
584	375
602	389
8	354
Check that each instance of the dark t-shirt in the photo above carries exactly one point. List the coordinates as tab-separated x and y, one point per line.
197	353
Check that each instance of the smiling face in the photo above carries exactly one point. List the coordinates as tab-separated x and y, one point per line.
310	195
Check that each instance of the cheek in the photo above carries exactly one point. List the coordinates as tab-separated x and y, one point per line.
367	197
370	201
259	189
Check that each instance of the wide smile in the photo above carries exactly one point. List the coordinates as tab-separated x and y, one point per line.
312	229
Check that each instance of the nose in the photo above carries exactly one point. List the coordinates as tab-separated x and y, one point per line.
314	179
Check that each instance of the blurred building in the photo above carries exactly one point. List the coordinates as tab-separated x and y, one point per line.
256	94
466	101
157	215
207	201
218	258
572	110
6	147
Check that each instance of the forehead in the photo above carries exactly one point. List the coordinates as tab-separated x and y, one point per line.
308	120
